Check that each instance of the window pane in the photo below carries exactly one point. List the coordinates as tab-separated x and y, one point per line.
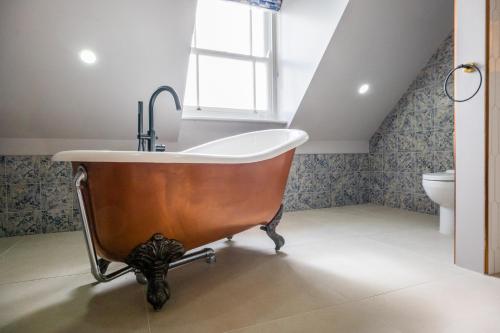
262	89
226	83
260	32
223	26
190	93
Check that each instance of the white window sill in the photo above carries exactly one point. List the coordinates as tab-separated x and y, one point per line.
231	116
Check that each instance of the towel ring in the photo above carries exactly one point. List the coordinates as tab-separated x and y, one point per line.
468	68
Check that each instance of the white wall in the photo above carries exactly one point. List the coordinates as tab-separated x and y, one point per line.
384	43
304	31
470	144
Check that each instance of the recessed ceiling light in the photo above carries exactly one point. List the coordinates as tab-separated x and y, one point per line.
363	89
88	56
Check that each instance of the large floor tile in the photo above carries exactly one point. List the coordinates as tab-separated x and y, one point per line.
465	303
7	243
359	267
42	256
244	287
73	304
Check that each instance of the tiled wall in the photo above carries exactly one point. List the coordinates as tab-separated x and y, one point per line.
327	180
36	196
415	138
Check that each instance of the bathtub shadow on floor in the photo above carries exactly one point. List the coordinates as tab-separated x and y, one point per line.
245	287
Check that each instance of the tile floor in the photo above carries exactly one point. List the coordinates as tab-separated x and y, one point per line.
349	269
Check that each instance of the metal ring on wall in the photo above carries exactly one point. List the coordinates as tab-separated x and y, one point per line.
468	68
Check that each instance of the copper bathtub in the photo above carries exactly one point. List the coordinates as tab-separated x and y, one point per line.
147	209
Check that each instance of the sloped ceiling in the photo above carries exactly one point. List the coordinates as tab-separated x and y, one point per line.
47	92
383	43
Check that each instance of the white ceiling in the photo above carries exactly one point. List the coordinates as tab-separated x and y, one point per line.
383	43
47	92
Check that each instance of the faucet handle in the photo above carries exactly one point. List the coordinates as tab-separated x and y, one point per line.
160	148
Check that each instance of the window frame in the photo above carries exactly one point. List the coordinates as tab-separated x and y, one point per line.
204	111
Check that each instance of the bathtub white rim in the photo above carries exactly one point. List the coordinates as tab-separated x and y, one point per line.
297	138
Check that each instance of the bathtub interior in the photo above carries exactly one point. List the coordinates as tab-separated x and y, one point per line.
250	143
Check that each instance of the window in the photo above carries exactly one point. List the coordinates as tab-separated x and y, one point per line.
231	66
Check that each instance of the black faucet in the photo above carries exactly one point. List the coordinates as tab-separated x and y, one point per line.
150	137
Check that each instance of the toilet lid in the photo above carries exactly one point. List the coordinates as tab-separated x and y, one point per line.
448	176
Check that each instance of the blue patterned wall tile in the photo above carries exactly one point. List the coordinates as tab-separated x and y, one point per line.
23	197
406	162
337	162
406	141
352	180
418	187
424	120
424	162
376	162
292	185
322	182
364	196
291	202
307	182
56	196
352	162
390	123
364	180
3	178
314	163
443	160
440	98
407	181
424	141
50	171
376	143
406	122
3	198
391	199
424	99
337	180
391	142
377	181
392	181
314	200
351	196
57	220
444	118
443	68
22	169
390	162
3	218
423	204
377	197
406	102
22	223
406	201
364	162
337	198
443	141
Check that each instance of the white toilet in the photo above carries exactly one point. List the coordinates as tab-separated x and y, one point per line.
440	187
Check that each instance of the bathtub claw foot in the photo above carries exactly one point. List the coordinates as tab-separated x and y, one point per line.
152	259
140	278
103	265
270	230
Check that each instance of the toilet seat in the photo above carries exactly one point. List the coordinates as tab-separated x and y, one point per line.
448	176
